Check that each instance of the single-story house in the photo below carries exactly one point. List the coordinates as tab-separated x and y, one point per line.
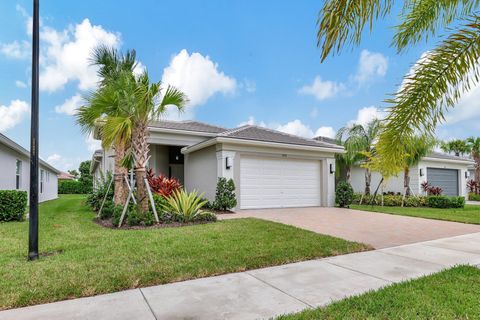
271	169
448	172
15	173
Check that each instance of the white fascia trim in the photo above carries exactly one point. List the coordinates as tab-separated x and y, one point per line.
459	161
258	143
186	132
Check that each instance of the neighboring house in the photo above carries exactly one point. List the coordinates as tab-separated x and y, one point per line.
448	172
15	172
271	169
65	176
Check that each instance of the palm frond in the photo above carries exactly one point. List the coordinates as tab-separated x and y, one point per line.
342	22
422	18
436	83
172	97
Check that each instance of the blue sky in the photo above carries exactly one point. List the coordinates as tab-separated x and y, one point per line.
238	61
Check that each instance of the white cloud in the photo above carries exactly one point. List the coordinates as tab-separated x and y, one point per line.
328	132
367	114
70	105
66	57
63	163
251	121
12	114
467	107
15	49
296	127
93	144
370	66
53	159
198	77
322	90
20	84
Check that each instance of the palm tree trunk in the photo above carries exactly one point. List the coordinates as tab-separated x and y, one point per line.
406	181
120	195
349	174
476	157
140	153
368	180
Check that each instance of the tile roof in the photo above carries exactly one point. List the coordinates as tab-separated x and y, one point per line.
445	156
256	133
328	140
188	125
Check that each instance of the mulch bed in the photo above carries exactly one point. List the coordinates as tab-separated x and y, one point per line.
222	211
107	223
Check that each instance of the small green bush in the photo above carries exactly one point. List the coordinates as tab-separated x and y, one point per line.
419	201
225	198
72	187
134	217
444	202
207	217
473	197
107	210
117	213
344	194
392	201
13	205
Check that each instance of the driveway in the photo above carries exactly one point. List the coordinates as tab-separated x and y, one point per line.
376	229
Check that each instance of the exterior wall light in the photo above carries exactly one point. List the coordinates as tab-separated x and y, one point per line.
466	175
332	169
421	172
228	162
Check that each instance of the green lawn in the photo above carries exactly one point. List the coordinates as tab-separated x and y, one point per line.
470	214
97	260
451	294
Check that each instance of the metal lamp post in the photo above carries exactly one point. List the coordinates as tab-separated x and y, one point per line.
33	214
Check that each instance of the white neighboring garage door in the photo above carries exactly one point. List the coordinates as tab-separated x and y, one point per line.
267	182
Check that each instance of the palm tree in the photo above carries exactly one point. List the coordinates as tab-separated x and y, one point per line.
105	104
359	140
439	78
151	102
474	145
458	147
418	148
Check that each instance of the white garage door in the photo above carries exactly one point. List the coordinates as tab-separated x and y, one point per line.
279	182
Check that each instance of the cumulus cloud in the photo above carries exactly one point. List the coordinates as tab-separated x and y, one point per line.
70	105
15	49
370	66
367	114
67	53
321	89
252	121
198	77
93	144
328	132
20	84
13	114
63	163
53	159
296	127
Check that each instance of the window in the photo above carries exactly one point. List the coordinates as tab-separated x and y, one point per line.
42	173
18	174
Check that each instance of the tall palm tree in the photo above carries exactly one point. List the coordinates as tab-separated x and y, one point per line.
458	147
439	78
418	148
106	103
474	144
358	140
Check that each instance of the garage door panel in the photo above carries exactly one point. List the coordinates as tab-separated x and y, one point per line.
276	182
447	179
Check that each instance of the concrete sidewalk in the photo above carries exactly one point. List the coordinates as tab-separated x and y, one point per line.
268	292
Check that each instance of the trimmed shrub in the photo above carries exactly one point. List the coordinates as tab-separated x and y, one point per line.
13	205
117	213
107	210
72	187
344	194
444	202
392	201
225	198
206	217
473	197
420	201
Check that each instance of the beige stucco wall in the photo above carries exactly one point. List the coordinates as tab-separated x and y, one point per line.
201	172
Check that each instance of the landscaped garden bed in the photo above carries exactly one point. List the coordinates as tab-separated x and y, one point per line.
92	260
451	294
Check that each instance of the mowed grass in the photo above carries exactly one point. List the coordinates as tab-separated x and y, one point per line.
469	214
451	294
96	260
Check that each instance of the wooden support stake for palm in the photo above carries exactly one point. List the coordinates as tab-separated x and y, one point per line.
152	202
130	196
105	197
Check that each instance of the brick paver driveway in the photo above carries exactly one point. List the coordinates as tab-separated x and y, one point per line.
377	229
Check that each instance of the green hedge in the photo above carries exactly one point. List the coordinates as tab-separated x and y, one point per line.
445	202
73	187
13	205
473	197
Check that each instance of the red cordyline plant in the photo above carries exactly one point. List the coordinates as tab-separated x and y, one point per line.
431	190
473	187
162	185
